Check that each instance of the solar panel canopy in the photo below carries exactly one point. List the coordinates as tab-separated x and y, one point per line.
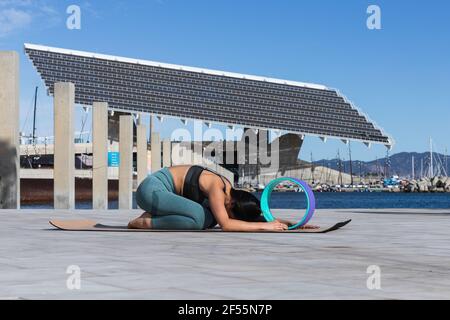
136	86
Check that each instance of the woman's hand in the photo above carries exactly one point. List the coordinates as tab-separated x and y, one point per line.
309	226
290	224
274	226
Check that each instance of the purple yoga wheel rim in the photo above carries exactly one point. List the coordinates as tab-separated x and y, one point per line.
310	200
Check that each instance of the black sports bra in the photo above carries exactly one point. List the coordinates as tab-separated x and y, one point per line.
191	186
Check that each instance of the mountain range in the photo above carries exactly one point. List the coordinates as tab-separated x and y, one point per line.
397	164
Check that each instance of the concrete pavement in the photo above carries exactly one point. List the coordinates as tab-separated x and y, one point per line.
411	248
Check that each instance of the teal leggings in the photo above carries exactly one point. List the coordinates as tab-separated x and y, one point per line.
156	195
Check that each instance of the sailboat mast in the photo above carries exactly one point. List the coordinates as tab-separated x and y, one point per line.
377	168
421	168
340	168
412	167
34	115
351	166
446	165
360	172
431	159
387	164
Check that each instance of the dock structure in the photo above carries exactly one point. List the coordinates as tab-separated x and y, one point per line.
408	249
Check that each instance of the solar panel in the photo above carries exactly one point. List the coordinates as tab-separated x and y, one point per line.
214	96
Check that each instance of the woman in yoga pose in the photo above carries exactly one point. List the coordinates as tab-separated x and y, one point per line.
195	198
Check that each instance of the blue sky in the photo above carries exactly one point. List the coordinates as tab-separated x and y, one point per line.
399	75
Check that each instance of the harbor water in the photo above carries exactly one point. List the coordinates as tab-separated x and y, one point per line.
331	200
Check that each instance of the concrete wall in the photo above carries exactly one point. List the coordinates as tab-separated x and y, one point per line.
9	130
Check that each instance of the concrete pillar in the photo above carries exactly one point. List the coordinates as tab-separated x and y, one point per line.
100	156
156	151
9	131
151	125
263	153
167	153
138	119
197	153
150	131
126	162
176	154
142	169
64	156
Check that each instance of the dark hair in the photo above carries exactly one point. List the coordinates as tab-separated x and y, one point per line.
245	206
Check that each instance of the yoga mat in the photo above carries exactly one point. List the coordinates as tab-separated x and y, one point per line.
91	225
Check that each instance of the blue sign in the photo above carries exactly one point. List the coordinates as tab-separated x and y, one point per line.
113	159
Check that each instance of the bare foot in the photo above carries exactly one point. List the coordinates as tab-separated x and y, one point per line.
142	222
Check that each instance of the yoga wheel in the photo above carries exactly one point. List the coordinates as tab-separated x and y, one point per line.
307	191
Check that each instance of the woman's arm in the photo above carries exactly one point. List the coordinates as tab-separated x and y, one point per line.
238	225
216	201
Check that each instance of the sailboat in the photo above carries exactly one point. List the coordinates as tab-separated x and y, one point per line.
436	167
32	161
